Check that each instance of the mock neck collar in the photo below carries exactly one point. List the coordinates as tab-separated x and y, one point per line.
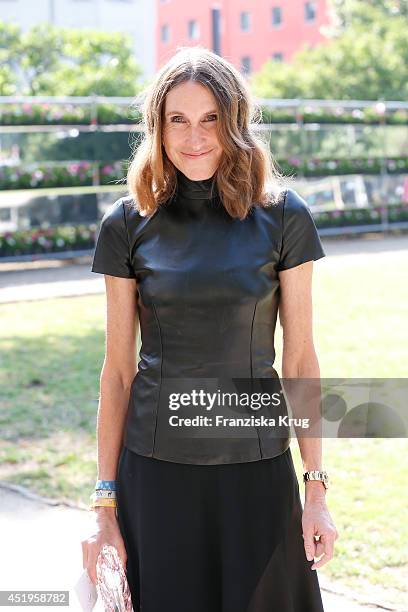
196	190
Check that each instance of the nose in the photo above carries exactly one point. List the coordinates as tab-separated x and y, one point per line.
195	138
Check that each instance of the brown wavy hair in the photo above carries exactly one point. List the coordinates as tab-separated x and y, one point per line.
247	174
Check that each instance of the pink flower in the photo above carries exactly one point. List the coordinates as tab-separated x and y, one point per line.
107	169
357	113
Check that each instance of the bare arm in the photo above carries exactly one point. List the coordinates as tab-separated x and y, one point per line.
299	360
299	357
118	371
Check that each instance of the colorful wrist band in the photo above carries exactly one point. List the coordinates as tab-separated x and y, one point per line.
105	503
104	493
110	485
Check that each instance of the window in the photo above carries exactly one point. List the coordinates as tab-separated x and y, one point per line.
276	16
165	33
310	11
193	29
5	214
277	57
245	21
246	64
216	30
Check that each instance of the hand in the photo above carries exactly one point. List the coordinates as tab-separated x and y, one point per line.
316	521
106	532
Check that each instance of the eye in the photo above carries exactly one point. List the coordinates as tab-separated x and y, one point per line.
173	119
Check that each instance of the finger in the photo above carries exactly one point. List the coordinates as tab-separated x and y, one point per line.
320	562
327	542
84	554
122	555
325	558
92	574
91	567
309	544
319	549
123	562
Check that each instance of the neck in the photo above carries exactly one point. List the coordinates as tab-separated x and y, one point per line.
196	189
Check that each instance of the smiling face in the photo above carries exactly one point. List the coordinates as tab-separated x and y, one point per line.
190	130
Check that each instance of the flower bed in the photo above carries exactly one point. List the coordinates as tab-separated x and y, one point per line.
361	216
45	113
83	173
372	115
333	167
82	237
50	240
65	174
60	174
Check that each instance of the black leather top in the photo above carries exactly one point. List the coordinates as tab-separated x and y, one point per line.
208	300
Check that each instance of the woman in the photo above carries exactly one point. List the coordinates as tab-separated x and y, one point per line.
206	518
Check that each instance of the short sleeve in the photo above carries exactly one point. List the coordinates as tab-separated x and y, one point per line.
300	238
112	252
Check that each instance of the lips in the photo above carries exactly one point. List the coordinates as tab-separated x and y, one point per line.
193	155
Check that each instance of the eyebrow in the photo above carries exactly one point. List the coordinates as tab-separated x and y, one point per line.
175	112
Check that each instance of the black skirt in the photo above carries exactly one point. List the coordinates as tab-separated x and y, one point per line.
214	538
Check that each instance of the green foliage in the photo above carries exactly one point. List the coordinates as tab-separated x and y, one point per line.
344	13
49	60
366	58
9	49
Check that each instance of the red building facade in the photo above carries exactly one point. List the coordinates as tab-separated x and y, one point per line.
246	32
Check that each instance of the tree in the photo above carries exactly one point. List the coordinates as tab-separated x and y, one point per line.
9	37
366	59
49	60
347	13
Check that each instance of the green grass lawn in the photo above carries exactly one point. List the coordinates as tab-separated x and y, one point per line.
52	351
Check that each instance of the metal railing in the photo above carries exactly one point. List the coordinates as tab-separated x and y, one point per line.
298	105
